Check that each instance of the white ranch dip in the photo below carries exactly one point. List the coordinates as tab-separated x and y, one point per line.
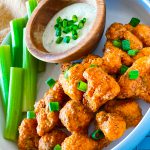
81	10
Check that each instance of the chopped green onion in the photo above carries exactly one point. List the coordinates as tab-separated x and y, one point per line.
74	18
59	40
54	106
93	65
57	26
134	22
65	23
125	45
66	30
82	86
66	39
84	20
80	25
133	74
74	27
51	82
31	5
70	22
58	32
59	20
30	65
123	69
57	147
31	115
133	52
117	43
97	134
74	32
66	74
14	110
75	37
5	64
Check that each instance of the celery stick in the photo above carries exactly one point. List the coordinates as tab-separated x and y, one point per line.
30	79
16	27
14	110
5	64
30	6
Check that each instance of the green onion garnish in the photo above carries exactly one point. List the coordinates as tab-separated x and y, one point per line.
65	23
133	74
74	18
58	32
57	147
74	37
117	43
70	22
74	27
31	115
59	40
133	52
123	69
56	26
82	86
54	106
134	22
66	39
59	20
125	45
66	30
51	82
97	134
93	65
74	32
84	20
80	25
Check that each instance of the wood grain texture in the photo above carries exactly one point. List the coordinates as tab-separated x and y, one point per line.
42	15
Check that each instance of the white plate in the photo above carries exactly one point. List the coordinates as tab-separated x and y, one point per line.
117	11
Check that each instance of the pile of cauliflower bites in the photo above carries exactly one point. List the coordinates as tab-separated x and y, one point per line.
102	90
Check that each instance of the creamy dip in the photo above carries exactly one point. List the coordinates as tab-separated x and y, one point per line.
81	10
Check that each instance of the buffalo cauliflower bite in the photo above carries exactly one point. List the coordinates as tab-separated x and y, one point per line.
101	88
69	83
75	117
143	33
128	109
28	137
79	142
129	27
143	52
114	58
50	140
48	120
112	125
139	87
115	31
135	43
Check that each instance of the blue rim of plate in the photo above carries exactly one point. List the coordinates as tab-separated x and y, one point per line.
143	128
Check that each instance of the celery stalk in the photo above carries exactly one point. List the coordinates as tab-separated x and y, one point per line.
30	79
14	110
16	27
5	64
30	6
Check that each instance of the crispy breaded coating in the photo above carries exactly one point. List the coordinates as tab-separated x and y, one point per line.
75	117
112	125
129	27
115	31
128	109
65	66
46	120
50	140
135	43
69	84
114	58
28	137
103	143
143	52
101	88
79	141
139	87
142	31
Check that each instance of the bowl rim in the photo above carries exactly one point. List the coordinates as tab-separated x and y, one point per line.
58	57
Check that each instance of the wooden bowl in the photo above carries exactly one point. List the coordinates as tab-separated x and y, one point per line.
42	15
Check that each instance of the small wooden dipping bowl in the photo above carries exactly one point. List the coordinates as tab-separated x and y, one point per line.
43	14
